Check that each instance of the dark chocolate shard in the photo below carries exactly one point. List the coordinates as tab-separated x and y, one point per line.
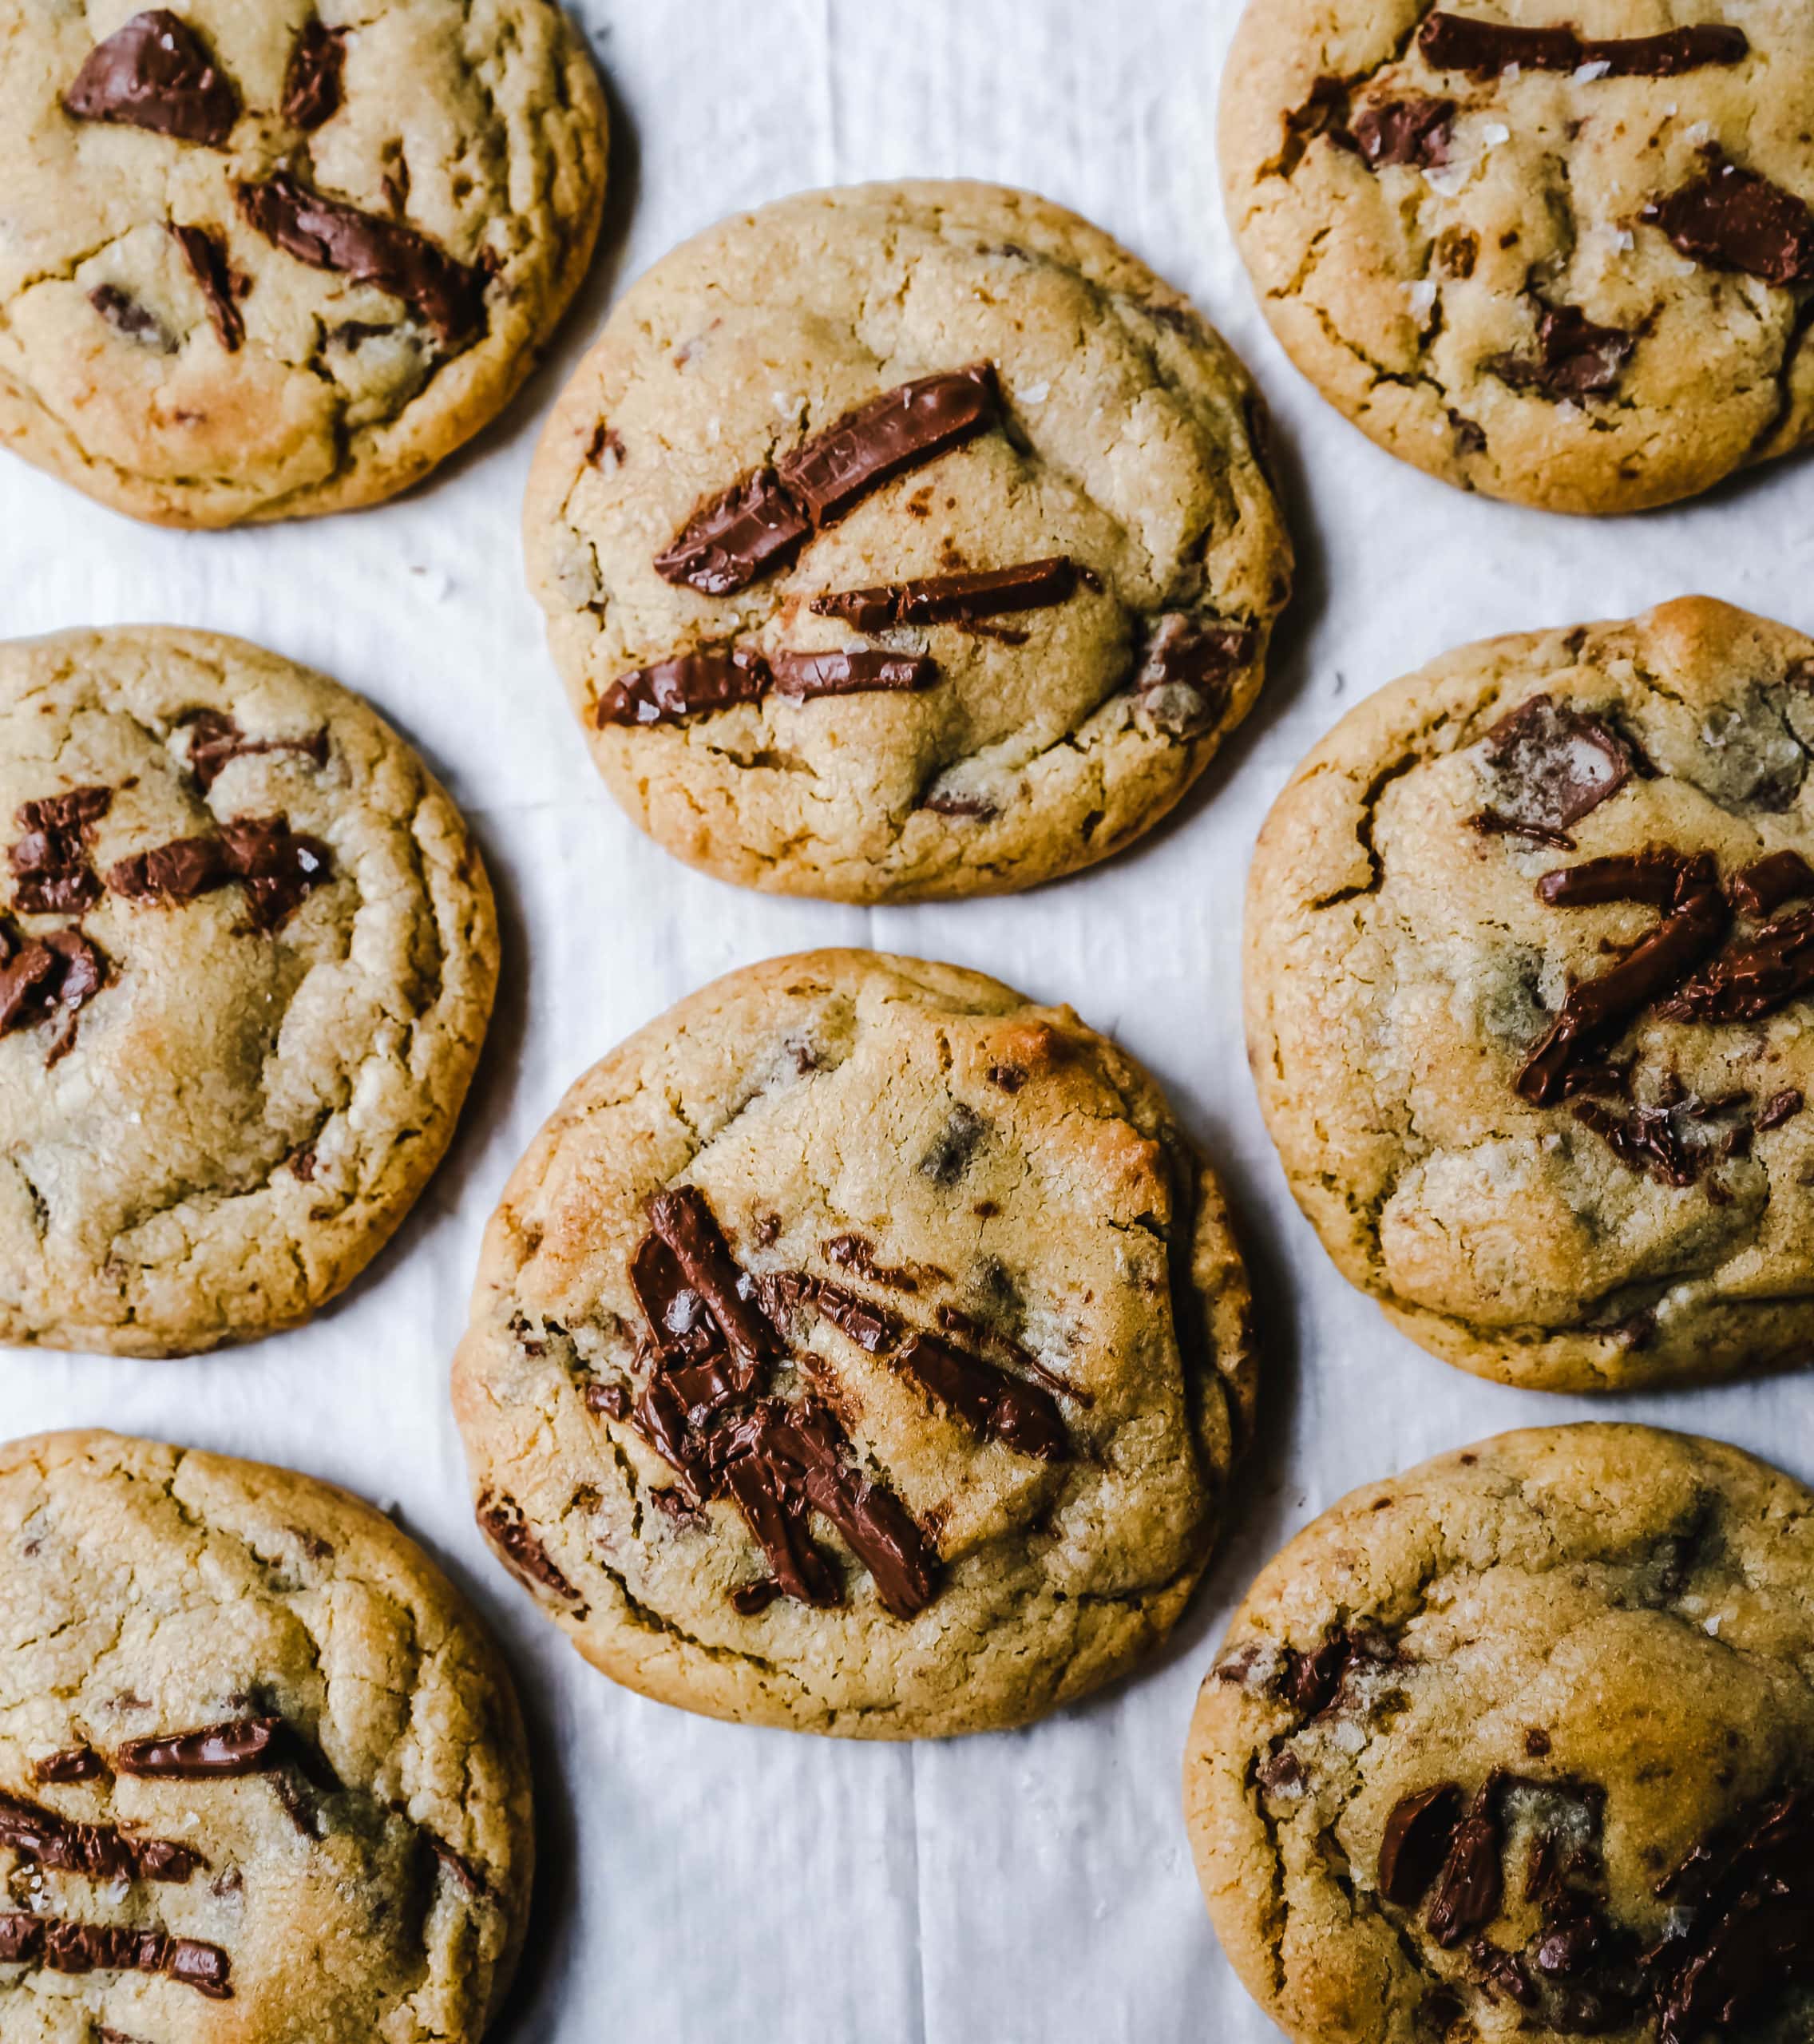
223	1752
1416	132
1418	1835
1574	357
1552	764
519	1547
691	685
125	315
857	1253
1763	887
1651	876
206	256
1189	668
1469	1888
1752	979
1780	1107
684	1330
311	84
861	672
993	1404
215	741
98	1852
889	436
748	531
684	1221
1731	219
787	1295
1463	42
157	72
327	234
179	871
67	1947
72	1764
50	859
954	599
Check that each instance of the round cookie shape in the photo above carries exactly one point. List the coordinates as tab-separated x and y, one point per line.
906	542
860	1348
247	954
1517	1743
268	261
1560	252
1529	952
262	1779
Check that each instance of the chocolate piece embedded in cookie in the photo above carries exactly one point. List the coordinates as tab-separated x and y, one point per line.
900	1473
157	72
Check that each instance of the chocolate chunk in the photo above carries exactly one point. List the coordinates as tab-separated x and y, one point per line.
1310	1680
49	979
1651	876
1501	1972
72	1947
857	1253
1537	1742
686	1223
1648	1140
519	1547
98	1852
1780	1107
1418	1835
1574	357
612	1400
1751	979
449	296
247	1745
951	599
311	84
73	1763
1460	43
750	530
751	1599
1281	1772
1552	764
1189	668
50	859
155	72
125	315
872	1328
990	1402
1570	1947
802	675
892	434
950	1156
692	685
179	871
207	258
278	868
684	1330
1731	219
1469	1888
1598	1009
974	1332
215	741
1416	132
953	804
1763	887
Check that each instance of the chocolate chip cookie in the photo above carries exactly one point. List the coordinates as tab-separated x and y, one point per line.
860	1348
262	1777
1518	1743
1530	954
247	953
1559	252
266	261
907	541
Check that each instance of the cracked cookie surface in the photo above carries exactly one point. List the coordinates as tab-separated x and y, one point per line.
262	1779
1529	957
758	511
860	1348
1516	1744
1558	253
247	953
265	261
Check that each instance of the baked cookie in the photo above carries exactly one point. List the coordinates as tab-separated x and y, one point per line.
247	954
859	1349
1521	1744
267	260
1559	250
1530	950
262	1777
908	541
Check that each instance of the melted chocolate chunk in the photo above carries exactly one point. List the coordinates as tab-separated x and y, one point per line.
1574	357
278	868
125	315
1415	1846
891	435
750	530
207	258
872	1328
685	1222
1731	219
501	1519
802	675
327	234
1751	980
949	1158
50	861
1189	669
684	1330
245	1745
1763	887
98	1852
66	1947
73	1763
1652	876
1469	1888
1780	1107
179	871
991	1403
1551	764
155	72
953	599
1654	1140
691	685
311	84
48	979
857	1253
1416	132
1463	42
215	741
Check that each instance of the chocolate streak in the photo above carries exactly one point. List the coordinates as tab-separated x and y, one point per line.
802	675
311	84
691	685
99	1852
216	1753
993	1404
953	599
501	1521
155	72
72	1947
1457	42
753	529
1733	219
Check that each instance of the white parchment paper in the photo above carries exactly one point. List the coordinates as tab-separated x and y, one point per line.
703	1881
